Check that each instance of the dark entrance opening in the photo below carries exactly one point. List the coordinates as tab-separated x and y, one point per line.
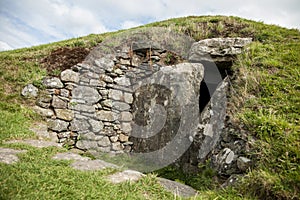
212	77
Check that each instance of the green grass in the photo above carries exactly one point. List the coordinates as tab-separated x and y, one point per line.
265	99
14	121
37	176
272	115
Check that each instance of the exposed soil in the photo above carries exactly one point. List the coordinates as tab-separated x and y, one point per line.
64	58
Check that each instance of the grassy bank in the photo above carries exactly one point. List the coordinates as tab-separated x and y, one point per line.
265	99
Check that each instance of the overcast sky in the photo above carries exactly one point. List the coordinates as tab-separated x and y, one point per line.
24	23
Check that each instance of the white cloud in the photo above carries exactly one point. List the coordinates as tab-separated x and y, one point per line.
30	22
130	24
35	22
4	46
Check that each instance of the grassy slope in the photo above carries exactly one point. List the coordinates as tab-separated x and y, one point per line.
268	88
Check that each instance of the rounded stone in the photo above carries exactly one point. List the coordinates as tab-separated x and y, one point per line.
59	103
125	117
52	82
69	76
120	106
104	142
114	138
58	125
64	114
107	116
123	138
85	94
30	91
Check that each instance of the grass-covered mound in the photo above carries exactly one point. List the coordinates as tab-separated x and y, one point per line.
265	99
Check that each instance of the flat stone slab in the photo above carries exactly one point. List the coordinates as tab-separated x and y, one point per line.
127	175
36	143
41	130
92	165
70	156
176	188
9	156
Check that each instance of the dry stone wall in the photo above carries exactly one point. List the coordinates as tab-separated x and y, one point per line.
96	102
101	104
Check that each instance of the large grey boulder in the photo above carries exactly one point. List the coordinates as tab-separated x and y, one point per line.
217	49
166	111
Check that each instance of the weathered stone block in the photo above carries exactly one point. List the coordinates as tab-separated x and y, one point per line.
125	117
105	63
42	104
57	102
106	78
126	127
115	95
166	105
217	49
128	98
43	111
107	103
104	142
86	144
124	81
117	146
114	138
52	82
79	125
64	114
108	132
81	107
120	106
30	91
86	94
123	138
69	76
58	125
97	126
106	116
88	136
65	93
